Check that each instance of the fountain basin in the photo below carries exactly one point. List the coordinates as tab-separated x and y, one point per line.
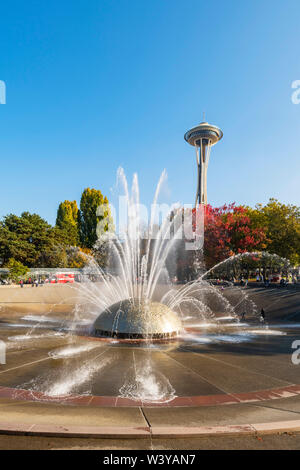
137	319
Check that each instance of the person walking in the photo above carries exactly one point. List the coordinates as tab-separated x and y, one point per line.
243	316
262	315
22	283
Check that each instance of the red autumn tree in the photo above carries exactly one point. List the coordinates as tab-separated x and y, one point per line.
229	230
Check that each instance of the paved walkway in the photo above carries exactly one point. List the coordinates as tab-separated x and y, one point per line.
173	422
222	386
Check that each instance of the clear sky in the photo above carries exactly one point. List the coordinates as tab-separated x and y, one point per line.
94	84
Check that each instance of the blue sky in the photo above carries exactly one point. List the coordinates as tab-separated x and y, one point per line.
95	84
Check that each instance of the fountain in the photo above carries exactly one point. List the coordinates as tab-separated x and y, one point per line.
136	319
129	315
138	301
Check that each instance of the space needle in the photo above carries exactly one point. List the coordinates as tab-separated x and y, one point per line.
203	137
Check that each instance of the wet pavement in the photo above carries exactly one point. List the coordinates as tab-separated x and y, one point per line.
232	371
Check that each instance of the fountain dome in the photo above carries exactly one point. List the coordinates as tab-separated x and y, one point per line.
137	319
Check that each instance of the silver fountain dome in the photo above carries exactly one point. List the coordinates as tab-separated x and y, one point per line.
137	319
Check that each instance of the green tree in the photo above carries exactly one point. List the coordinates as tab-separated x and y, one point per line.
93	211
77	257
14	246
282	226
16	269
24	238
67	221
30	240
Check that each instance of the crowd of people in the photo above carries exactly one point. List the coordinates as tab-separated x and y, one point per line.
32	282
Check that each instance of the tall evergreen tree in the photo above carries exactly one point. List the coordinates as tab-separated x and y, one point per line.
67	221
91	200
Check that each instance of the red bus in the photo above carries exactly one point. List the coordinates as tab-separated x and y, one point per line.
63	278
